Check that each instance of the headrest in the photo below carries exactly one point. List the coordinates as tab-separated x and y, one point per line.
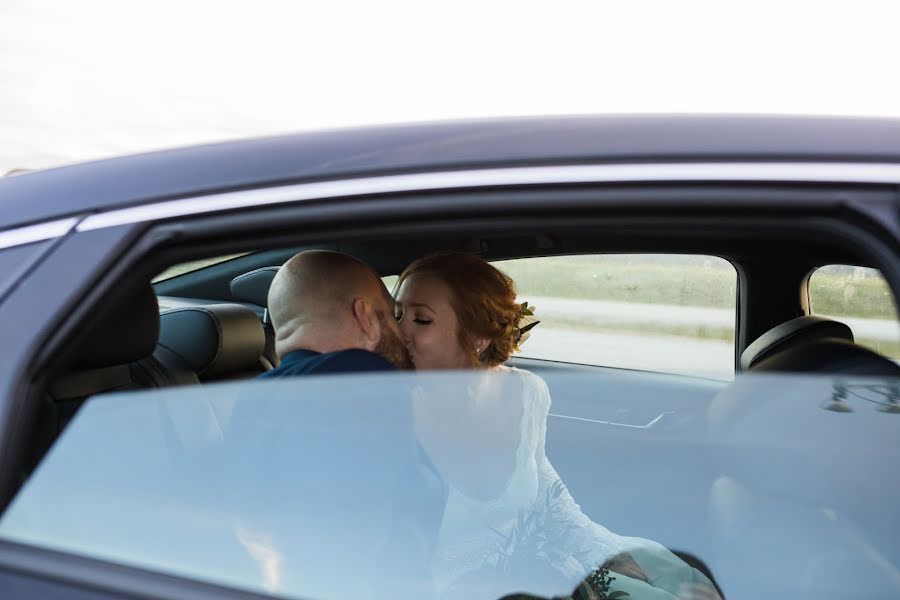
829	356
792	333
214	339
254	286
126	334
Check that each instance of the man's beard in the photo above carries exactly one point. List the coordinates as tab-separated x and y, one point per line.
391	347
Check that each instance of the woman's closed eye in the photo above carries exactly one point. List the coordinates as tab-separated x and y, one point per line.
417	320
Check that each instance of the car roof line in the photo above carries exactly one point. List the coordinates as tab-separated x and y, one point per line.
682	172
40	232
806	172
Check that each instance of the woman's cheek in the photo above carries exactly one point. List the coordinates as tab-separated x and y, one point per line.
426	342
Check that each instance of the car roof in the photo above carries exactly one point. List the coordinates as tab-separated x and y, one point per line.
133	180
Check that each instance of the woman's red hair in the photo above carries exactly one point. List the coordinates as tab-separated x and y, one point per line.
484	300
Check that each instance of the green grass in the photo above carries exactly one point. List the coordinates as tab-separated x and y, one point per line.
843	295
703	332
706	285
889	349
692	281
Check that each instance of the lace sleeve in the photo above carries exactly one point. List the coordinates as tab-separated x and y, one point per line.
576	545
573	544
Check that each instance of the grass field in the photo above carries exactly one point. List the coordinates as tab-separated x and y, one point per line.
707	285
688	281
691	281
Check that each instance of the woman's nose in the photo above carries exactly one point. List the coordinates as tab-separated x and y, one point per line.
404	330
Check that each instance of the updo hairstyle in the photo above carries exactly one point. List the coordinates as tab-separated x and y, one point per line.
484	300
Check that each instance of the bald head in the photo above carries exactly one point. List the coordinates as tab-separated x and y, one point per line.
311	301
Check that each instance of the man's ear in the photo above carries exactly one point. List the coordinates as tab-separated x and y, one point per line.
366	319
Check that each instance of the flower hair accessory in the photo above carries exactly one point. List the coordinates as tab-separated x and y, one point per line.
525	324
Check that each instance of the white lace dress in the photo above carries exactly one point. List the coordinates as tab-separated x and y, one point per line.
535	521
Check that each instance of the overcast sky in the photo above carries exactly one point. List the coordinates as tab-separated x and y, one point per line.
93	78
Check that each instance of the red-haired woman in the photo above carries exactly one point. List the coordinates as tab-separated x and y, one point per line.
507	509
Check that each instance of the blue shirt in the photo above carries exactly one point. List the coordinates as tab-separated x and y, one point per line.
307	362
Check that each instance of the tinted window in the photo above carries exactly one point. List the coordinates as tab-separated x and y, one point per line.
667	313
390	281
194	265
861	298
452	485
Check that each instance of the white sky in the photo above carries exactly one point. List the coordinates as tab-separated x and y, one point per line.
92	78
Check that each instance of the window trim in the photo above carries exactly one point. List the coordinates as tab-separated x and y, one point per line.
672	172
95	575
807	172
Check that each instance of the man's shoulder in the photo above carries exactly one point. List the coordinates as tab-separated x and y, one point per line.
352	360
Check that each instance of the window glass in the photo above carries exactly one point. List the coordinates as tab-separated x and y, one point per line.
194	265
667	313
390	281
861	298
484	484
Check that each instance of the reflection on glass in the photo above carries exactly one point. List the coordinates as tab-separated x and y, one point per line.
509	518
450	485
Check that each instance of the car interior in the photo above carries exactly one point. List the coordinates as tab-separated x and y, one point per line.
211	324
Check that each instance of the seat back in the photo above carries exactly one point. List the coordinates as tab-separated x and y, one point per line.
829	356
790	334
253	287
211	342
116	355
110	359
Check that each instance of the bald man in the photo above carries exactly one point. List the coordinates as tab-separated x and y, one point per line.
332	314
